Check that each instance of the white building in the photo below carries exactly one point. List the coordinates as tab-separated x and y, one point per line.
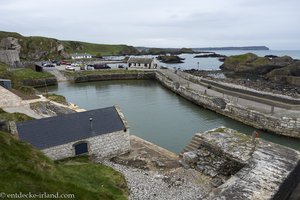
143	63
81	56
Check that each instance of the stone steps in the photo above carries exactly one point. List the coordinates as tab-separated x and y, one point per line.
193	144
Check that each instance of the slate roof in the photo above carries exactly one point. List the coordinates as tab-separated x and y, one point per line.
58	130
140	60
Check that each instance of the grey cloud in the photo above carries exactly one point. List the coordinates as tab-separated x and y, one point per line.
191	23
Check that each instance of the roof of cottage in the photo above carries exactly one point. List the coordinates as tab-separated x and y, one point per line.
53	131
140	60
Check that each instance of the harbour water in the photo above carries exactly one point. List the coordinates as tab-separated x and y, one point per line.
154	113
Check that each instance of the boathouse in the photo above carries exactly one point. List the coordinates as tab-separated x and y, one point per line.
143	63
102	132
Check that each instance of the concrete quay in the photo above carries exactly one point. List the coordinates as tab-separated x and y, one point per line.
244	169
260	115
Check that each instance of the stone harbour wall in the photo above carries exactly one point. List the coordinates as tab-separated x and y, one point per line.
102	77
288	126
243	92
106	145
260	170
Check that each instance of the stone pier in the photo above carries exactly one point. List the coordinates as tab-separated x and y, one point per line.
242	169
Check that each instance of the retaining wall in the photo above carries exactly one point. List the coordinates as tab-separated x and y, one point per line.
287	126
251	93
40	82
103	77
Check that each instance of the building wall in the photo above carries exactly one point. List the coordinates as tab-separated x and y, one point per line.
107	145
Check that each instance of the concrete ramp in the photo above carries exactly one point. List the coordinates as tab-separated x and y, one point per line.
9	99
59	76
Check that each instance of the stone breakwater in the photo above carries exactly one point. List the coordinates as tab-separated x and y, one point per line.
116	76
288	126
260	170
40	82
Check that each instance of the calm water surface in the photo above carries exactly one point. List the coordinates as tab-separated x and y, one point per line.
154	113
191	62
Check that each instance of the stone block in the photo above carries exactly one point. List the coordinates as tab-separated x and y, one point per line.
190	157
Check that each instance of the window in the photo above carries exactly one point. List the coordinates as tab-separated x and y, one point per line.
81	148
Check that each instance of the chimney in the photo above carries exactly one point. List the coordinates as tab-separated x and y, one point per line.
91	124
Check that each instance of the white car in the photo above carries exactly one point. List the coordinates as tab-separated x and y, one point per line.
69	68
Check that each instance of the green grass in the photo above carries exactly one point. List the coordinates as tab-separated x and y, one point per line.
58	98
98	49
261	61
24	169
29	74
240	58
33	44
17	117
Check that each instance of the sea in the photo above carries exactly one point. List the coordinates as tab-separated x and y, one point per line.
190	62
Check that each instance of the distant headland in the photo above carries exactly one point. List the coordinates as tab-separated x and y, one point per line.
232	48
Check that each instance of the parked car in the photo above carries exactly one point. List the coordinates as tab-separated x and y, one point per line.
49	65
69	68
101	66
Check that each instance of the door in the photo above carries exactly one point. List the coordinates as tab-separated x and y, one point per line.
81	148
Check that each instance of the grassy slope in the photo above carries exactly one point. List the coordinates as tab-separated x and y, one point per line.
24	169
19	75
31	45
98	49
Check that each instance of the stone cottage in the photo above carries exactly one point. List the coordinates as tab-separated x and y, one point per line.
102	132
143	63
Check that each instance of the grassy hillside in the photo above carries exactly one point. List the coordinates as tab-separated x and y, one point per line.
24	169
98	49
39	48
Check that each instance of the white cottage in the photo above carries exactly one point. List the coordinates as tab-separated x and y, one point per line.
143	63
75	56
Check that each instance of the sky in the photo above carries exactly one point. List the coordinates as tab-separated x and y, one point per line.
158	23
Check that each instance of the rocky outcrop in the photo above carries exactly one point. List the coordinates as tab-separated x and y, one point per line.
251	63
50	109
170	59
288	75
9	51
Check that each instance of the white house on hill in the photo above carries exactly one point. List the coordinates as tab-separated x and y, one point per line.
81	56
143	63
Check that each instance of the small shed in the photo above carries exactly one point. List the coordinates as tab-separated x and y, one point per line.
39	66
102	132
143	63
6	83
